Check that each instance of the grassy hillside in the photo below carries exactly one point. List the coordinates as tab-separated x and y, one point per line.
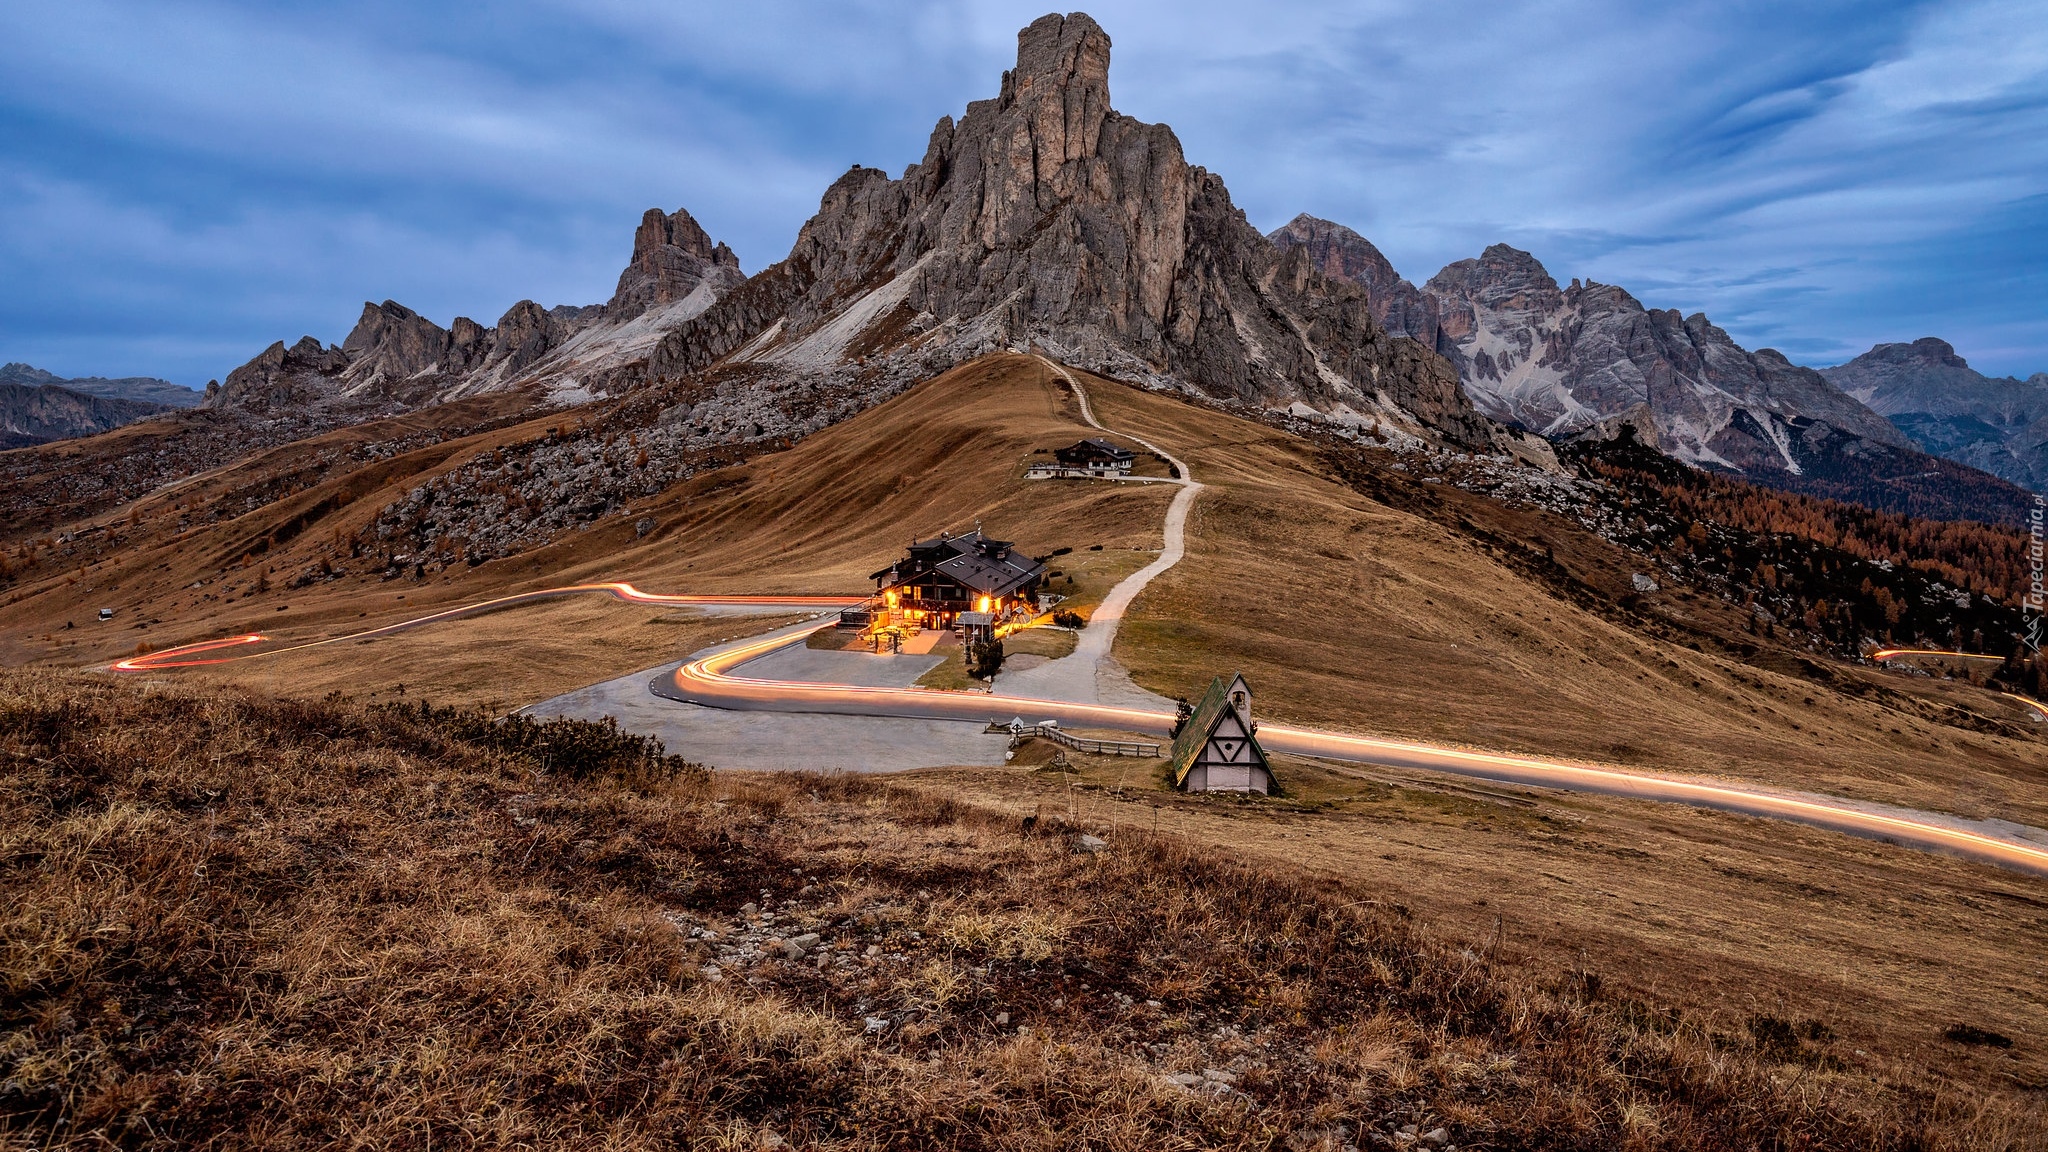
234	922
1355	596
817	518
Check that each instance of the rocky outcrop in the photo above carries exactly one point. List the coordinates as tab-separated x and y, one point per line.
1044	217
40	414
525	333
1999	424
396	359
145	388
673	257
1400	307
1562	361
392	347
305	375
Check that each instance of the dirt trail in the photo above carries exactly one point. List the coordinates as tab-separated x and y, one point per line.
1089	675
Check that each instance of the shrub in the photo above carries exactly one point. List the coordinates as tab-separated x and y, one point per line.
562	746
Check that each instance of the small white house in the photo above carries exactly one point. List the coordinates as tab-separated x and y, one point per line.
1216	748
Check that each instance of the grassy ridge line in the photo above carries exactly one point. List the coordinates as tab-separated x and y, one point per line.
243	922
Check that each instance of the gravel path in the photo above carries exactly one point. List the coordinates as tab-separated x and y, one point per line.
1090	675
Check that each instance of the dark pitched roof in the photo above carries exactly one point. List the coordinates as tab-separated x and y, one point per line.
972	560
991	577
1094	446
1201	725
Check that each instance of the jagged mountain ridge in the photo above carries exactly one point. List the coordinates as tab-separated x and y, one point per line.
144	388
1585	358
1045	218
395	359
1998	424
1042	218
1559	360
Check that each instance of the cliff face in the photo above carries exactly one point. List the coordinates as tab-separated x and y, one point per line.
1043	217
673	258
38	414
1587	358
1400	307
1999	424
1563	361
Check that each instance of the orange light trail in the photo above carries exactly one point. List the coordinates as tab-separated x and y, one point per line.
707	680
1884	654
2030	702
180	657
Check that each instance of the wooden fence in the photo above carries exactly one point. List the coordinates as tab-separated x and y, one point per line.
1079	743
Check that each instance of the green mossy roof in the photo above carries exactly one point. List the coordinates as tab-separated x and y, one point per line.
1200	725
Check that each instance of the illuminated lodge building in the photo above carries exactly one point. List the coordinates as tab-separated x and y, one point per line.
947	576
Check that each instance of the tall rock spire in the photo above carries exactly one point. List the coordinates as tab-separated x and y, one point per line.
1045	217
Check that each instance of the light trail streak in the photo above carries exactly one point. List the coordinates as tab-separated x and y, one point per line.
1884	654
710	680
2030	702
182	656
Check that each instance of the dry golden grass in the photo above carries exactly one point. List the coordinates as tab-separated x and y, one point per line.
1347	613
1721	914
1351	613
501	660
234	922
818	518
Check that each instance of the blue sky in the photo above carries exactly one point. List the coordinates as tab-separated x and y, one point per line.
182	183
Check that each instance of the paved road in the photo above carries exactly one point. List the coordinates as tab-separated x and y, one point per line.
232	648
724	738
723	678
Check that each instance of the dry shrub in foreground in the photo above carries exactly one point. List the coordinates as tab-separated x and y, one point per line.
236	922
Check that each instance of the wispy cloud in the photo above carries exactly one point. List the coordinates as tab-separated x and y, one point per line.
181	184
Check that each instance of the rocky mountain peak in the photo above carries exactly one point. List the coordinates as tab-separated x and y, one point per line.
1926	352
1999	424
1060	88
1338	252
27	375
278	376
1043	216
1564	362
1501	278
1342	254
393	342
672	257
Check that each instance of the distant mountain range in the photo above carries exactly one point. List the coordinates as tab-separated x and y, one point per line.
1582	358
37	407
1044	219
396	359
1934	396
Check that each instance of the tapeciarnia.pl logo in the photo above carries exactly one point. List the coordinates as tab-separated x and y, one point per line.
2037	593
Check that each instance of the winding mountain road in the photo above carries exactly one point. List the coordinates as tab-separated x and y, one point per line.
223	651
716	679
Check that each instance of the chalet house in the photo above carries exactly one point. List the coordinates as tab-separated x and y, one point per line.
1216	749
947	575
1098	457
